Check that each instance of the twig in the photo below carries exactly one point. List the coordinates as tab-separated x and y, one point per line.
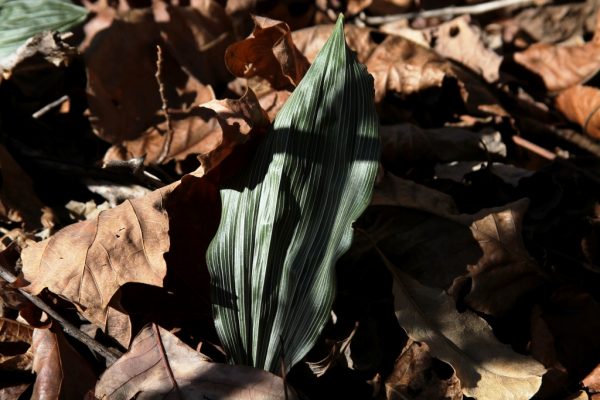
579	140
110	355
50	106
163	98
447	11
534	148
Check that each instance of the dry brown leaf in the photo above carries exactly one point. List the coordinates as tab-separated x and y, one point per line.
123	94
89	261
462	41
563	66
62	373
269	53
417	375
395	191
210	131
139	242
580	104
487	369
158	364
15	338
592	380
14	391
482	255
408	143
18	201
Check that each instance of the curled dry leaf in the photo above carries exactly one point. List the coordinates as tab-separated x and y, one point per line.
62	373
158	365
15	339
18	201
462	41
580	104
417	372
487	369
210	131
563	66
269	53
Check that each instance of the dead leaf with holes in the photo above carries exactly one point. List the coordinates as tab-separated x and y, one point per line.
486	368
418	375
159	364
580	104
460	40
563	66
62	373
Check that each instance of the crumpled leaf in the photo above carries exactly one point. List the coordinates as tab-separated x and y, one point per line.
62	373
563	66
462	41
481	254
23	19
18	201
158	365
210	130
417	375
318	163
16	340
269	53
487	369
580	104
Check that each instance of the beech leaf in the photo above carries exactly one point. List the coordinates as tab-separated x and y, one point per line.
288	220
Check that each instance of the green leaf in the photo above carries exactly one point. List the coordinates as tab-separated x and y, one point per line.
289	219
22	19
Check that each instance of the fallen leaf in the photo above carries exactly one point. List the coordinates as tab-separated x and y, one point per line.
409	144
486	368
160	365
269	53
210	130
15	339
18	200
395	191
580	104
124	97
461	41
417	375
561	67
592	380
13	392
62	373
481	254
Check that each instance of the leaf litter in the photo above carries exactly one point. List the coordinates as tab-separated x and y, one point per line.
472	273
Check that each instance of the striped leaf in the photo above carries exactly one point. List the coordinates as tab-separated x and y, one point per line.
22	19
288	220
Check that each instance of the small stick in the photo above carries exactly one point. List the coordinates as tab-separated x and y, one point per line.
109	354
50	106
540	151
447	11
163	98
